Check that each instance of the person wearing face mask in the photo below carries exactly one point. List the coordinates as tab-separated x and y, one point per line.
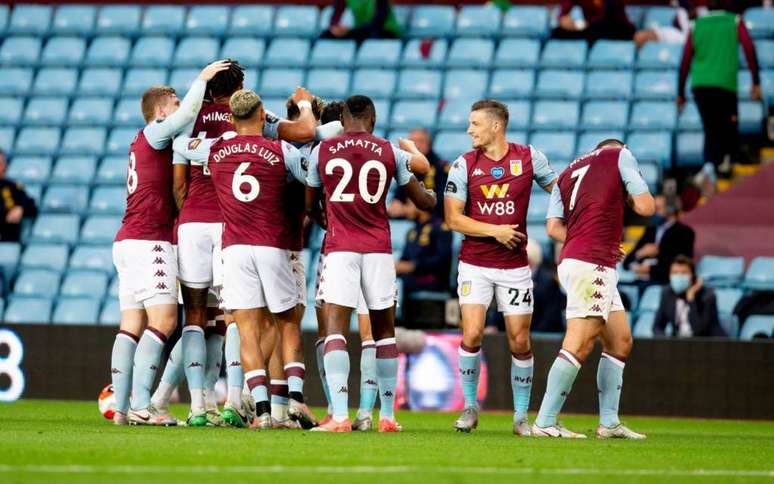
662	241
686	304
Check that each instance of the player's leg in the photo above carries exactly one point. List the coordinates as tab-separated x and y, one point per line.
278	386
253	363
214	335
170	379
368	386
319	348
234	375
133	322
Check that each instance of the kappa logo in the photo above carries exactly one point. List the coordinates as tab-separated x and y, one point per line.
495	190
235	363
478	172
115	371
157	248
599	269
596	309
161	285
387	394
599	282
343	390
160	273
597	295
195	364
370	382
154	367
158	260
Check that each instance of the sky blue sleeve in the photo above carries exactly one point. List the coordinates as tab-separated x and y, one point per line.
295	161
402	169
195	149
555	205
271	125
542	171
313	175
159	133
630	173
457	181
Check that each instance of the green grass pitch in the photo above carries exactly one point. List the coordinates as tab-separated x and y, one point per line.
57	441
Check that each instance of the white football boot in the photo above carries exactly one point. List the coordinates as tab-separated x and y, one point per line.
556	430
620	431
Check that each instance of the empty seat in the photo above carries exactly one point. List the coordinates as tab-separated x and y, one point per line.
45	111
37	141
30	19
478	21
432	21
655	85
560	84
108	201
196	52
757	327
589	140
519	114
275	105
91	111
119	141
660	55
163	19
383	53
719	271
20	51
45	256
32	310
296	21
611	54
689	149
517	53
246	50
112	170
643	328
454	115
609	85
119	20
207	20
419	84
37	282
760	21
651	146
181	79
252	20
152	52
76	311
75	169
326	14
30	169
376	83
280	82
333	53
751	117
7	136
525	21
419	53
760	274
97	258
108	52
566	54
10	110
287	53
764	50
511	83
10	253
100	82
557	146
63	51
659	16
85	284
555	115
74	20
413	114
83	141
449	145
15	81
66	198
658	115
100	229
470	53
382	115
465	84
137	81
651	299
605	115
56	228
330	83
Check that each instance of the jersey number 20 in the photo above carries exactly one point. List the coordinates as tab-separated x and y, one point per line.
346	167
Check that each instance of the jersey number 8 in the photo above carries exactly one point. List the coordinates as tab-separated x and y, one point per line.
131	179
346	167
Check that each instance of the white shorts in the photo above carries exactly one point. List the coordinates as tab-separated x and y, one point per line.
258	277
147	273
670	35
299	274
592	290
348	276
512	288
362	307
199	257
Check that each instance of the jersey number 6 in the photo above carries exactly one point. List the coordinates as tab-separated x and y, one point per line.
346	167
239	179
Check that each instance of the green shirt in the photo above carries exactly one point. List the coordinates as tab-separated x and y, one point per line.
363	12
716	51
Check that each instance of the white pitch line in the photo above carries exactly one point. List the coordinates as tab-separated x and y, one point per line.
413	469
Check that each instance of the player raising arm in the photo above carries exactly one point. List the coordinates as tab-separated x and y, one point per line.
586	211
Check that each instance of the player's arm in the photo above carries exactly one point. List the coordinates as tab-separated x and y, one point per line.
295	162
328	130
639	198
555	226
314	192
543	173
193	149
180	176
418	163
424	199
301	130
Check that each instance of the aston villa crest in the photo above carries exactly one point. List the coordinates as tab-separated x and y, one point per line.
516	167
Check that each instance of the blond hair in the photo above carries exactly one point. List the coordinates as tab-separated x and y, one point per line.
244	103
151	98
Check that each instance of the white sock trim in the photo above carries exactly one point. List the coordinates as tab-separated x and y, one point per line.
368	342
295	364
528	363
462	352
614	360
278	382
153	336
253	373
386	341
220	317
193	328
570	357
210	323
127	337
335	337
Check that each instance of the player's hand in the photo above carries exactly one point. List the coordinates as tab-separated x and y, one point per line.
407	145
301	94
680	104
755	92
508	235
212	69
14	215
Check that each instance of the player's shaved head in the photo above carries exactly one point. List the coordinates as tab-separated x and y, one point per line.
293	112
227	82
612	142
332	112
153	97
359	112
244	104
495	109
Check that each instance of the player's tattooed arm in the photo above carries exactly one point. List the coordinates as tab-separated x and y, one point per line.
418	163
508	235
302	129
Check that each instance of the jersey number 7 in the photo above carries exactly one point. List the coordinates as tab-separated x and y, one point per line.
579	174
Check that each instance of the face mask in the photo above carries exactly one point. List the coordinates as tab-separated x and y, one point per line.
680	282
657	220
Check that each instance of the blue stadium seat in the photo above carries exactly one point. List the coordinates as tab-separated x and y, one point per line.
127	113
163	20
15	81
55	81
557	146
478	21
399	230
85	284
111	314
20	51
449	145
633	294
74	20
329	83
113	289
83	141
651	146
655	85
413	54
376	83
137	81
11	110
326	14
643	328
119	141
609	85
119	20
511	83
45	111
432	21
760	274
100	82
419	84
196	52
454	115
287	53
689	119
751	117
251	79
413	114
181	79
555	115
65	198
525	21
469	53
382	53
30	19
517	53
727	298
35	192
560	84
97	258
465	84
108	201
76	311
651	299
246	50
275	105
518	114
280	82
689	149
383	108
764	50
207	20
719	271
108	52
75	169
333	53
659	16
760	21
538	207
656	115
296	21
660	55
63	51
56	228
564	54
252	20
7	135
4	14
605	115
152	52
651	173
30	169
100	229
757	327
590	139
32	310
112	170
91	111
44	256
37	141
611	54
10	254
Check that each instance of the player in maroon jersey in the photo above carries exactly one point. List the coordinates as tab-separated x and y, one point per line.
142	251
487	197
586	213
354	170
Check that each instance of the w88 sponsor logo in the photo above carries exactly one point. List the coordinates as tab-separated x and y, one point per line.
498	208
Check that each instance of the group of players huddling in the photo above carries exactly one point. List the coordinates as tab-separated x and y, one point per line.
218	194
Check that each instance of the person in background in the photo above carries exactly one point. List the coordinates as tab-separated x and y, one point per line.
549	299
685	11
374	19
662	241
435	179
16	205
602	20
711	57
686	304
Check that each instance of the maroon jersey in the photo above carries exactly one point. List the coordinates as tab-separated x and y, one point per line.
149	204
201	203
593	197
